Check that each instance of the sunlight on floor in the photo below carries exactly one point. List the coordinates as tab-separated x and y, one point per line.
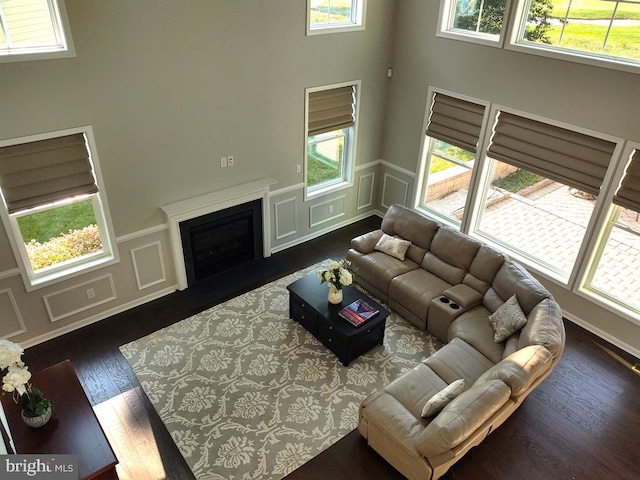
131	437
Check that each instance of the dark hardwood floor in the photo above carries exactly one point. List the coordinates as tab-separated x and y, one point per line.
583	422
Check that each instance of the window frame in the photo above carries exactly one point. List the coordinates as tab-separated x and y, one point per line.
349	148
71	268
517	21
446	18
358	13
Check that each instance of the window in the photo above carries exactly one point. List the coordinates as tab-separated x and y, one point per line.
333	16
478	21
542	190
331	131
453	132
599	29
613	276
53	206
33	29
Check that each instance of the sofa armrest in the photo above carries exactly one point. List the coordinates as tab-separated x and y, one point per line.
462	417
520	369
463	295
366	243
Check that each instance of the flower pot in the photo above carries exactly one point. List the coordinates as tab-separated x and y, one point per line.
335	295
38	421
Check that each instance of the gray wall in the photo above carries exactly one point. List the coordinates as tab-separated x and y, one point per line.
599	99
169	88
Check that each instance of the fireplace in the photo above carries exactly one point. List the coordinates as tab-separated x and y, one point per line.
215	243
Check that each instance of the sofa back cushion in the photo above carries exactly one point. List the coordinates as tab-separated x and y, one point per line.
544	327
483	269
450	255
511	279
410	225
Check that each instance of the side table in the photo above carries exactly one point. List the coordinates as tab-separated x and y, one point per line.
73	429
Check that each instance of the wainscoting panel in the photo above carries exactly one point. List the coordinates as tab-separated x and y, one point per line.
79	298
285	214
394	190
327	211
366	185
148	264
12	323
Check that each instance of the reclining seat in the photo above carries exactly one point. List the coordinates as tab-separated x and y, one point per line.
374	270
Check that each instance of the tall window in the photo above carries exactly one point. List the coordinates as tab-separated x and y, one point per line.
477	20
453	132
333	16
53	206
592	28
542	190
331	131
31	29
613	275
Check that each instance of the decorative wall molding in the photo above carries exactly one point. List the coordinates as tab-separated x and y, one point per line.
387	178
276	209
370	178
289	189
142	233
78	294
162	277
316	208
6	303
403	171
9	273
366	166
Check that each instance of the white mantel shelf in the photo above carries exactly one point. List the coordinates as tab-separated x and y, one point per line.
212	202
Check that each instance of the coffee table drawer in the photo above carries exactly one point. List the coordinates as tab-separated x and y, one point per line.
303	314
332	339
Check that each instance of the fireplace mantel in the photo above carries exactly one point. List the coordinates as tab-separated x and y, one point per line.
212	202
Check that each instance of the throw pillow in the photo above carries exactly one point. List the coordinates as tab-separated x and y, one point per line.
507	320
442	398
396	247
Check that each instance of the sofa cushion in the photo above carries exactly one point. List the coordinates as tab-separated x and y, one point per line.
450	255
520	369
413	389
394	246
442	398
378	268
507	320
544	327
414	290
366	243
462	417
483	269
410	225
474	328
458	359
513	278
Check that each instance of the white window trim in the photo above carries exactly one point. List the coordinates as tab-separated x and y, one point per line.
33	281
516	20
351	143
446	30
423	175
46	53
357	24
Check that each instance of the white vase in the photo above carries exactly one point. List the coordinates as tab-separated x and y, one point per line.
335	295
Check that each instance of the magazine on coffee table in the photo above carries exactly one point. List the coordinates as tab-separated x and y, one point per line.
358	312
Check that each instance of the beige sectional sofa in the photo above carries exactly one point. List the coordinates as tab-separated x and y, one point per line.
456	288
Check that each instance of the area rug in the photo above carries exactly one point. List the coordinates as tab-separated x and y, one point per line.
247	393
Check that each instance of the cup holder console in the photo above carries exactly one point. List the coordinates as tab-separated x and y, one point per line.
453	305
444	300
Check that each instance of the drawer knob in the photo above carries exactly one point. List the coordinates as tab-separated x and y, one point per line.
302	317
304	306
330	327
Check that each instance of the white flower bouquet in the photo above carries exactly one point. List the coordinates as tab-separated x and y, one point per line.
337	275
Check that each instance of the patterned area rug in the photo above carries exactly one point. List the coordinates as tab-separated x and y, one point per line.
247	393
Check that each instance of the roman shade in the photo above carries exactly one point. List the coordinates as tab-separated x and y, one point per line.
37	173
628	195
568	157
455	121
330	110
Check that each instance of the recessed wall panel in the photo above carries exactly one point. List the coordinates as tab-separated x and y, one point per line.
365	190
81	297
285	218
11	323
394	190
148	264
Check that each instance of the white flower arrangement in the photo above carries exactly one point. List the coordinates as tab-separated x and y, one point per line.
337	274
18	374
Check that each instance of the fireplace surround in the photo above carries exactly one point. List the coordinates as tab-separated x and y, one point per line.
204	205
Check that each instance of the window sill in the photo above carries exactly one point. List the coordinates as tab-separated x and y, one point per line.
325	190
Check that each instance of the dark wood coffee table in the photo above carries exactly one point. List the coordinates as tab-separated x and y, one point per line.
73	429
308	305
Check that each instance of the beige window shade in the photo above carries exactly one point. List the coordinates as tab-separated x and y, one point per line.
628	195
568	157
37	173
331	110
455	121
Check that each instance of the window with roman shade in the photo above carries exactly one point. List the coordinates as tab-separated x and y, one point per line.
455	121
55	213
331	110
628	195
37	173
566	156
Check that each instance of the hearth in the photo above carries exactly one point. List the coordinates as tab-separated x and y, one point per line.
221	241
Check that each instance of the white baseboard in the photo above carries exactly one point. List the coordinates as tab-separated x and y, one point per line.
602	334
